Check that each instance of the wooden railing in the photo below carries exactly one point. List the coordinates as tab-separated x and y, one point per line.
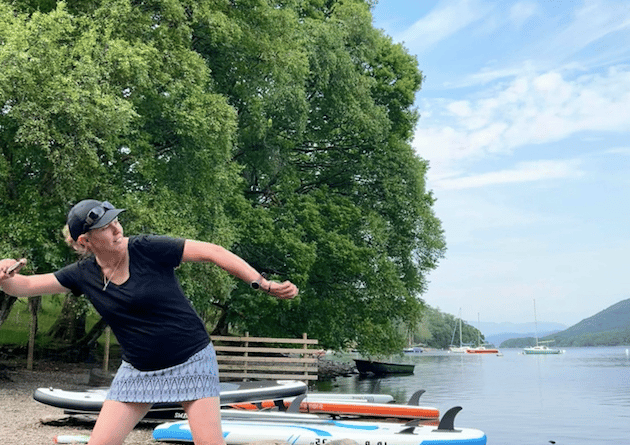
248	358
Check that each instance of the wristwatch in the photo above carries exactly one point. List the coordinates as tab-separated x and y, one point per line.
256	284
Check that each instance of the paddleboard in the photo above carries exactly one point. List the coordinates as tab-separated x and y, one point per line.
350	408
90	401
318	397
319	404
312	431
371	398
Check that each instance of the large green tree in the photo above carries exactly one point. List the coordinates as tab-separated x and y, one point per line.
325	105
114	106
280	130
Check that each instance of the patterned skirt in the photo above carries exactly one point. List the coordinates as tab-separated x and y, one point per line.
194	379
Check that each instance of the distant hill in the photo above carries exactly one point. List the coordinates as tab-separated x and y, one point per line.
490	329
610	327
498	339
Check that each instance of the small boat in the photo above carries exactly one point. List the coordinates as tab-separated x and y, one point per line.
461	349
540	349
382	368
413	350
482	350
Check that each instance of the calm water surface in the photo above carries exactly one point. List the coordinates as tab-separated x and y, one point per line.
579	397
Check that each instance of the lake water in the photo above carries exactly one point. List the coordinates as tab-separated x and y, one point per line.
579	397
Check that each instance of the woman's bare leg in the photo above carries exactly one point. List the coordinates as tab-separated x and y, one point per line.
204	418
115	422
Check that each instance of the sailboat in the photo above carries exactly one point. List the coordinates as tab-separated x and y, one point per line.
541	347
481	348
461	349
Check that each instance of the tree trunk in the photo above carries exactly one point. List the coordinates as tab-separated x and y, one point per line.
34	304
69	327
6	303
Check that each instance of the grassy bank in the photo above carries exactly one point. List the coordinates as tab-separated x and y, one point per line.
14	332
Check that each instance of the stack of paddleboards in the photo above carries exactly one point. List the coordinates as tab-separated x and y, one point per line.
309	429
281	410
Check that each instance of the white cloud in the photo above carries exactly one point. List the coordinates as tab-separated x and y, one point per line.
531	109
442	22
522	11
594	21
523	172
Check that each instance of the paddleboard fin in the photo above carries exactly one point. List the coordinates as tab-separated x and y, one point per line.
294	407
280	405
447	423
407	430
415	398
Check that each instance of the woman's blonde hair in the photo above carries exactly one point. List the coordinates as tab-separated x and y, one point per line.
81	250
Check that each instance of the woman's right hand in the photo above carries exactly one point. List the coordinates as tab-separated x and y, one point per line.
5	264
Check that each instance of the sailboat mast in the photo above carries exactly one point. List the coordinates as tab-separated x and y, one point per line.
536	322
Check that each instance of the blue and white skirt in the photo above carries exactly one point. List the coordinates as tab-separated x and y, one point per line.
196	378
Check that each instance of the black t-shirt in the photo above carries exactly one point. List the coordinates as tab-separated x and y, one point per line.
151	317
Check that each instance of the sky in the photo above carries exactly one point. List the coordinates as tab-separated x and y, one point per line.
525	123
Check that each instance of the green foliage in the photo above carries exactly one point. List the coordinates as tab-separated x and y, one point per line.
440	330
280	131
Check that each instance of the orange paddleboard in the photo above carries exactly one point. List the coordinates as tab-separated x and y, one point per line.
350	408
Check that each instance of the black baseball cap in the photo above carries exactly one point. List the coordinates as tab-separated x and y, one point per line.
90	214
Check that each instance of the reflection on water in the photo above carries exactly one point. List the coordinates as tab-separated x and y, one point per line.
579	397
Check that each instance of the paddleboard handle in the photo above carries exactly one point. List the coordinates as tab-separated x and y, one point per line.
414	400
448	420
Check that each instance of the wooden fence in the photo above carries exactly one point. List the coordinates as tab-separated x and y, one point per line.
248	357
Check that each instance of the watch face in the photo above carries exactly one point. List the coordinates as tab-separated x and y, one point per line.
255	285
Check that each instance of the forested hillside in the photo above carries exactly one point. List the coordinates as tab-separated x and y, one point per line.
610	327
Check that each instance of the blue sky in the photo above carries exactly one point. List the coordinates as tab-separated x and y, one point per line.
525	121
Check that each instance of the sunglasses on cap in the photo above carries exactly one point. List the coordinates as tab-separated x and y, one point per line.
97	213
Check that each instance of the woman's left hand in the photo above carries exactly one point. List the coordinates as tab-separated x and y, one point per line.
284	291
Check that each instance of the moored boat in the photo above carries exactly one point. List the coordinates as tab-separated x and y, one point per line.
540	348
382	368
461	349
482	350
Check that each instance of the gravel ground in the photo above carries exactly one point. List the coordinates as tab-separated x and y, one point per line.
23	421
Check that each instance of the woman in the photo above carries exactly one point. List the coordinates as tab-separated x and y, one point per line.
167	354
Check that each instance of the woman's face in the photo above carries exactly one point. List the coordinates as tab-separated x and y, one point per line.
108	237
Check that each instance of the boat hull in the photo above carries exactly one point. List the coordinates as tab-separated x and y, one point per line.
382	368
540	351
481	351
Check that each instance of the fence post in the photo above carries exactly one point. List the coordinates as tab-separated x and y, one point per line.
305	347
246	354
108	332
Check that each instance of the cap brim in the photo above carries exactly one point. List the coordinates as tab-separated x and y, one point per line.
107	217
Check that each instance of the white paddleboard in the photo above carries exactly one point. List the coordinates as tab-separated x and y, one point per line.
367	398
322	431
